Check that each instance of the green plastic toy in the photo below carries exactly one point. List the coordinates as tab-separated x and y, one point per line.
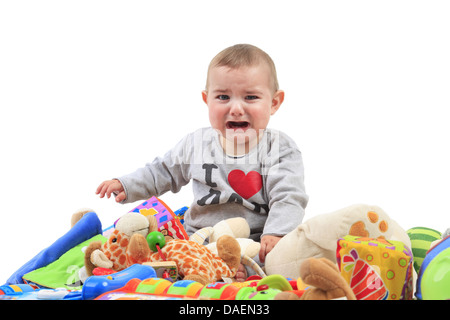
155	239
436	278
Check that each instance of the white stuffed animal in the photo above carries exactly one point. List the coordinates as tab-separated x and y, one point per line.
237	227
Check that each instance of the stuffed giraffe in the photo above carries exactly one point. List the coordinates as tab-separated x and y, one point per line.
127	245
112	254
194	261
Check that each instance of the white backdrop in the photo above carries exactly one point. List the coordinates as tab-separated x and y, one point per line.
94	89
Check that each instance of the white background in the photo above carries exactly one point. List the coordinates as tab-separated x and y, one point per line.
90	90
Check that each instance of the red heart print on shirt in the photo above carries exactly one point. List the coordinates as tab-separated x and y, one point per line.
245	185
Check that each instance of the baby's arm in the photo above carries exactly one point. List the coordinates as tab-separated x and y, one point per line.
111	186
167	173
286	192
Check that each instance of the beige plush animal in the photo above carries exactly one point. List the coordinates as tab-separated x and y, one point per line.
324	281
318	236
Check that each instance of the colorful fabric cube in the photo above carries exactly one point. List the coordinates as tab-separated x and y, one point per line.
376	269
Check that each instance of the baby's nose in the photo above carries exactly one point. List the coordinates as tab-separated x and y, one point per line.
237	109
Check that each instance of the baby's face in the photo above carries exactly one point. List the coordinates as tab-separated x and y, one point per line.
240	103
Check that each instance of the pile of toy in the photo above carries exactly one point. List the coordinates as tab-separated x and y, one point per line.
356	253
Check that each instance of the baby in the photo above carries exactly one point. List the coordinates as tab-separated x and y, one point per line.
238	167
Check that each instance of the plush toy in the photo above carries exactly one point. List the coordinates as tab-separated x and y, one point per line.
324	280
318	236
421	240
78	215
127	245
376	269
112	254
196	262
237	228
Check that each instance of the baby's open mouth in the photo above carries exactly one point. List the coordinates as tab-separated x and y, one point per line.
237	125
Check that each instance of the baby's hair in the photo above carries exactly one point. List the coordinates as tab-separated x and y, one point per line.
243	55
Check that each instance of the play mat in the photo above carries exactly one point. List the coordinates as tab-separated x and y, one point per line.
355	253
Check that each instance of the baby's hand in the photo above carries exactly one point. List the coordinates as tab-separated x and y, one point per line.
111	186
267	244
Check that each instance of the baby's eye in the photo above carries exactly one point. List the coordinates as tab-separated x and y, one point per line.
223	97
251	97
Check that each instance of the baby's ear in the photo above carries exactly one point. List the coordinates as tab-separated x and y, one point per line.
277	100
205	96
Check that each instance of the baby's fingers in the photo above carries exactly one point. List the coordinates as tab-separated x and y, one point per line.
112	187
121	196
104	188
101	190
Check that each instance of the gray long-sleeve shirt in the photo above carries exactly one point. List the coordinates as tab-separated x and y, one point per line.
265	186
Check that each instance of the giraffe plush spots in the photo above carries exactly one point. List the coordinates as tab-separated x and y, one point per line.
196	262
127	246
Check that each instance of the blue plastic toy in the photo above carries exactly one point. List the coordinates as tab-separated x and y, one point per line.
17	292
16	289
94	286
31	292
